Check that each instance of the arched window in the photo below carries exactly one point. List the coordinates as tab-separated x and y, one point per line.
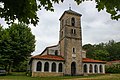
95	68
73	21
39	66
100	68
73	31
62	34
73	68
73	50
46	66
90	68
85	68
53	67
56	52
60	67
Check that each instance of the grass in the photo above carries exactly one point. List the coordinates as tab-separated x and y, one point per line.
21	76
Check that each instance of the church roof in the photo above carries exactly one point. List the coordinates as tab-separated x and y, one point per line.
59	58
88	60
70	12
49	57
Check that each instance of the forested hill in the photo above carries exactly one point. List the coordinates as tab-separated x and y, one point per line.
104	51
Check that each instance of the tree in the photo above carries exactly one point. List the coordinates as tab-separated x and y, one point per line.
114	50
17	44
4	47
26	10
89	50
104	51
101	55
111	6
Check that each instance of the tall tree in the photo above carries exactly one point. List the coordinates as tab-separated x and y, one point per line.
101	55
114	50
4	47
89	50
17	44
104	51
26	10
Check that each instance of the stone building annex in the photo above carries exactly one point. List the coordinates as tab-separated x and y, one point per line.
67	57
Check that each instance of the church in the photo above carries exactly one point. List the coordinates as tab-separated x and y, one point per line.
67	57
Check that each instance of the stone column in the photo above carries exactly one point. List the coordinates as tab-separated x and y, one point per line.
103	68
98	66
57	67
88	66
63	69
93	69
34	64
50	66
42	66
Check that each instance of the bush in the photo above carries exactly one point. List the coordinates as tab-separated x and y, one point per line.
115	68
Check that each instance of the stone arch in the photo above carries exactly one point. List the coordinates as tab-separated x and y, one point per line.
46	66
60	67
53	67
95	68
101	68
39	66
73	21
90	68
73	68
85	68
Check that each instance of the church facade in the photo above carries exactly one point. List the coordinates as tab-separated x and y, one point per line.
67	57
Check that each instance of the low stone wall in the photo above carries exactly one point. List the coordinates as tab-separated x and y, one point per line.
44	74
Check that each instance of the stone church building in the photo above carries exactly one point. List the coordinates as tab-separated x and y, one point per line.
67	57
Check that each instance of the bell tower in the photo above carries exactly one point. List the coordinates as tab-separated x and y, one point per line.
70	41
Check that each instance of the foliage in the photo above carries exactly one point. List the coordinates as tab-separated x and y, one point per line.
111	6
101	55
26	10
114	50
21	67
103	51
89	48
115	68
17	43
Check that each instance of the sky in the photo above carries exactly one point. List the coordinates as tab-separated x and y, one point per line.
96	26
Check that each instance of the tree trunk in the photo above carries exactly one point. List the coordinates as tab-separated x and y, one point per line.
9	68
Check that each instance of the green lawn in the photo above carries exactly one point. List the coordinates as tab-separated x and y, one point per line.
90	77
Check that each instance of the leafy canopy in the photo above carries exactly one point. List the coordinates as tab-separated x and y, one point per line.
104	51
16	44
26	10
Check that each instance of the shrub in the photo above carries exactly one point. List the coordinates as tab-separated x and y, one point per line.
115	68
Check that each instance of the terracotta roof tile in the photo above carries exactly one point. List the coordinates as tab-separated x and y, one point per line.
49	57
59	58
92	60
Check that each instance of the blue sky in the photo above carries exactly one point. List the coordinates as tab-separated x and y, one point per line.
96	26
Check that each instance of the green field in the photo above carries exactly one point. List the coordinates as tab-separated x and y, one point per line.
90	77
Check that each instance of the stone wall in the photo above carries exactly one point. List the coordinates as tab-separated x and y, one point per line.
45	74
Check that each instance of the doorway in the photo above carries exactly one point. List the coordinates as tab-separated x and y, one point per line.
73	68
